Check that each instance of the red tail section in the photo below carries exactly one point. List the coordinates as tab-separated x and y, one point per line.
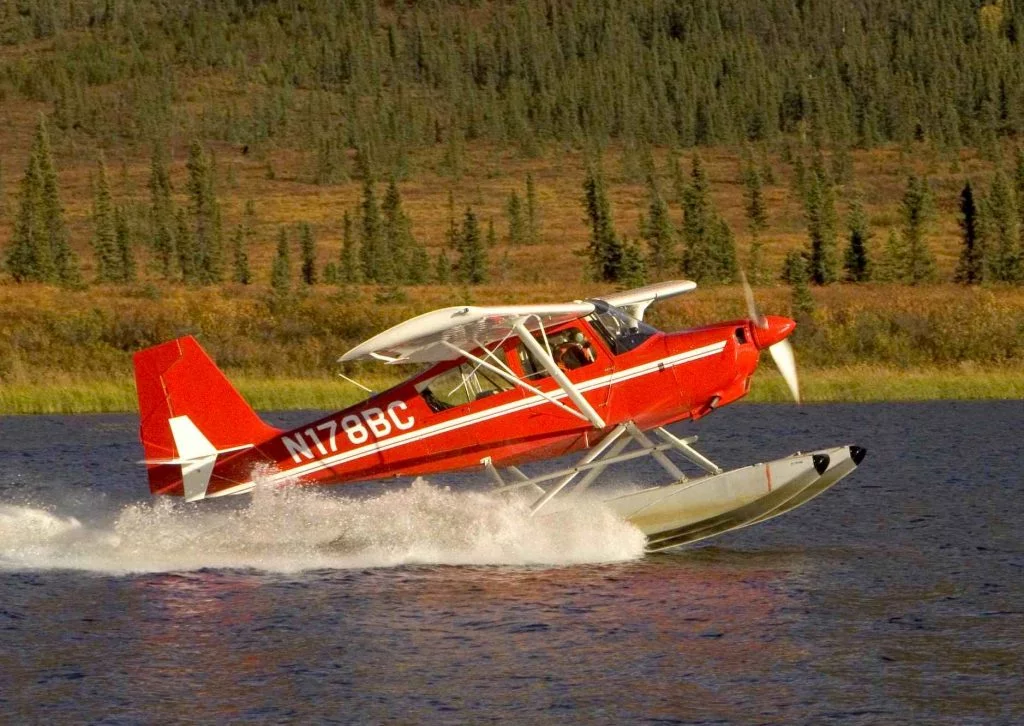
177	379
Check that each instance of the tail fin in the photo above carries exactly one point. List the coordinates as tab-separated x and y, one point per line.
189	414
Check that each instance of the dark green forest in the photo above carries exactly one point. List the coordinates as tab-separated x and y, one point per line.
407	74
284	178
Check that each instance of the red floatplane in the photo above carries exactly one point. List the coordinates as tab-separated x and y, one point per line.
499	387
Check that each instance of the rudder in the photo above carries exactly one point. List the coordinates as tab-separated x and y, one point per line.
178	379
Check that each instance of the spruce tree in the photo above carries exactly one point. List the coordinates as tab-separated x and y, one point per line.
678	177
65	269
701	259
917	210
604	250
329	164
451	236
349	269
892	266
330	276
842	164
757	221
161	212
1018	186
307	245
800	177
767	172
103	235
281	269
370	243
442	268
492	236
855	262
205	215
819	204
516	223
970	270
532	212
634	269
419	264
793	266
240	267
757	211
123	243
240	257
658	231
472	264
723	246
398	239
28	258
1002	235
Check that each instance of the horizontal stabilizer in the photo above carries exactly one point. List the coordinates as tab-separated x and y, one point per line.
179	461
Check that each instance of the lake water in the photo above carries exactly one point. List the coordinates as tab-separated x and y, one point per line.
896	597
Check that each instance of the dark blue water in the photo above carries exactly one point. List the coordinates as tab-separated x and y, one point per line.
896	597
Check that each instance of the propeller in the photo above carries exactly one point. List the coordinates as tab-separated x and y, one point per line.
775	332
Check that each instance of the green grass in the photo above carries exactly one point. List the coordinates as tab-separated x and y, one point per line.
265	394
863	383
852	384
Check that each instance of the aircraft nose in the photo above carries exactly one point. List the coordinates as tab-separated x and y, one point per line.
775	328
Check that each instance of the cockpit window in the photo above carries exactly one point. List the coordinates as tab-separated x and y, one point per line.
463	384
620	330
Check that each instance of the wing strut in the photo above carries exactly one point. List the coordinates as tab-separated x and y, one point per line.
591	455
608	451
551	367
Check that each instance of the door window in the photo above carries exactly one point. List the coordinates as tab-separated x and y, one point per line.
463	384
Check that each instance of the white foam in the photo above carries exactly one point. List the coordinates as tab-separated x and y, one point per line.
292	529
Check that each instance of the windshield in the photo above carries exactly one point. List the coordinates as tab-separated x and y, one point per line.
620	330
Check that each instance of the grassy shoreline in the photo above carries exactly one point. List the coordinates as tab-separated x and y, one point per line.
853	384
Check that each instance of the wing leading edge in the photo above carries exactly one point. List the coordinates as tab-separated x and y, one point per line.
423	339
635	302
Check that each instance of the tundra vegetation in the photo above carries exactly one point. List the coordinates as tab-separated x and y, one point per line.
284	180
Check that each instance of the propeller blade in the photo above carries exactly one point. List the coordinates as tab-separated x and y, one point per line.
782	354
752	312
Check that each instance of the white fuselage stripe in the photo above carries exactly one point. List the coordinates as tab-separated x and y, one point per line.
512	407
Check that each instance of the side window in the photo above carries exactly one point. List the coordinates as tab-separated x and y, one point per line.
570	348
462	384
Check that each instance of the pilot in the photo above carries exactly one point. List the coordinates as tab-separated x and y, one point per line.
574	353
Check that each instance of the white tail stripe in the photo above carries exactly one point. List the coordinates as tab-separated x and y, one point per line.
196	456
189	440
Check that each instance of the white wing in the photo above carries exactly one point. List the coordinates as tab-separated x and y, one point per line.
421	339
635	302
